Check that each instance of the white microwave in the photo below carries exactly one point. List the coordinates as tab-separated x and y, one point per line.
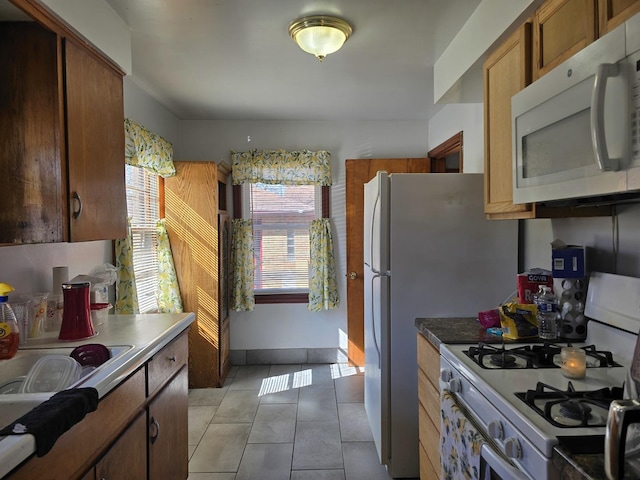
575	130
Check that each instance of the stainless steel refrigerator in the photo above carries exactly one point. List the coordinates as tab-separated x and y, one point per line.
429	251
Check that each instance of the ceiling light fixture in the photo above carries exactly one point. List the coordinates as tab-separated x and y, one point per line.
320	35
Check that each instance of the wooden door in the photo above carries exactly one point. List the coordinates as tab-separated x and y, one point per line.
359	172
192	224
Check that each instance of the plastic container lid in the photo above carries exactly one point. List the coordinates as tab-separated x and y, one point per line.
52	373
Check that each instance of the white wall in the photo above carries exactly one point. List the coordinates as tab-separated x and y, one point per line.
465	117
97	22
488	24
144	110
292	326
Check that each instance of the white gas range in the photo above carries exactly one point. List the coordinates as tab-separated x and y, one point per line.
505	391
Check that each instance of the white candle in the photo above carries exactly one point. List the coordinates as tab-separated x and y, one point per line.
574	362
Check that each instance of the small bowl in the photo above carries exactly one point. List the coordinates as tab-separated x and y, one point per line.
91	354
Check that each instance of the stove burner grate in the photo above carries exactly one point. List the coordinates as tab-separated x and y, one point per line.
544	355
571	408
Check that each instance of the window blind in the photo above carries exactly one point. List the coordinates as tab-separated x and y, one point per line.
281	215
143	206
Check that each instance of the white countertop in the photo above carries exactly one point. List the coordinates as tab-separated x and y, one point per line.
146	334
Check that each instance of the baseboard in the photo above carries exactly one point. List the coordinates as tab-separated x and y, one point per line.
285	356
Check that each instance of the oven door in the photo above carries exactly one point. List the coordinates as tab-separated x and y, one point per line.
466	450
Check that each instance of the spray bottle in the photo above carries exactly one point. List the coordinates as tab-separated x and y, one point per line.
9	333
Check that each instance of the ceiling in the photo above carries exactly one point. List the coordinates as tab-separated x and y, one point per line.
234	59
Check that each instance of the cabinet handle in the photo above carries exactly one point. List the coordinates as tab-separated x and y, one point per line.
77	200
172	359
154	430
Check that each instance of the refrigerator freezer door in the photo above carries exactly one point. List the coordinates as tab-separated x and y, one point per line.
376	223
376	351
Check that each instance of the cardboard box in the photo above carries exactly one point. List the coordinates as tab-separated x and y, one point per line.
569	262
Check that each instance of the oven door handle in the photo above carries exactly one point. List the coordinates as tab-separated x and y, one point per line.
499	465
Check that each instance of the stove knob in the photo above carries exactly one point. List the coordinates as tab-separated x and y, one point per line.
445	375
455	386
496	430
512	448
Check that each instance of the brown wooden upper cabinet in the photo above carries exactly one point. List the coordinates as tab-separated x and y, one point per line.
506	71
62	141
557	31
612	13
561	28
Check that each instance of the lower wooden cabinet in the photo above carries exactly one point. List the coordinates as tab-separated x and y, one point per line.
139	431
168	431
127	458
429	409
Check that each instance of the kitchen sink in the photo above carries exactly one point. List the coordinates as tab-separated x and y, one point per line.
13	403
14	371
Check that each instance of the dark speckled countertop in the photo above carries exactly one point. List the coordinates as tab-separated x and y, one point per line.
469	330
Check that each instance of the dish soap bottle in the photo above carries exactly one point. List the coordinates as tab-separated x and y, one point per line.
9	333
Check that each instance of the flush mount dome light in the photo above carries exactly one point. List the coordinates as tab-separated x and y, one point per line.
320	35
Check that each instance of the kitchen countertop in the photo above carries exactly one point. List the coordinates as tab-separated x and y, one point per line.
469	330
456	330
146	334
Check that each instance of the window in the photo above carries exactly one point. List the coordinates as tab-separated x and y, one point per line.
281	216
143	206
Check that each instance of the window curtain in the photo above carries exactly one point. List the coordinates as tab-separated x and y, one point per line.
323	290
281	168
145	149
169	300
289	168
126	294
241	290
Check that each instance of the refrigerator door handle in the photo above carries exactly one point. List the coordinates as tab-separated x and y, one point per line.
371	237
373	320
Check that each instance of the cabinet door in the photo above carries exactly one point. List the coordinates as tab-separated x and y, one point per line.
127	458
30	138
561	28
506	71
168	431
95	147
428	407
612	13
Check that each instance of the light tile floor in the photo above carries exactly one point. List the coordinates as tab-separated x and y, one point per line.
283	422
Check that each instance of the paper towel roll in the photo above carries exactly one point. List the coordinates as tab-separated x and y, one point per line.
60	276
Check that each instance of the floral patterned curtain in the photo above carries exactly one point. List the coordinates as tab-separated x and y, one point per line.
126	294
145	149
323	291
169	300
242	265
280	167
